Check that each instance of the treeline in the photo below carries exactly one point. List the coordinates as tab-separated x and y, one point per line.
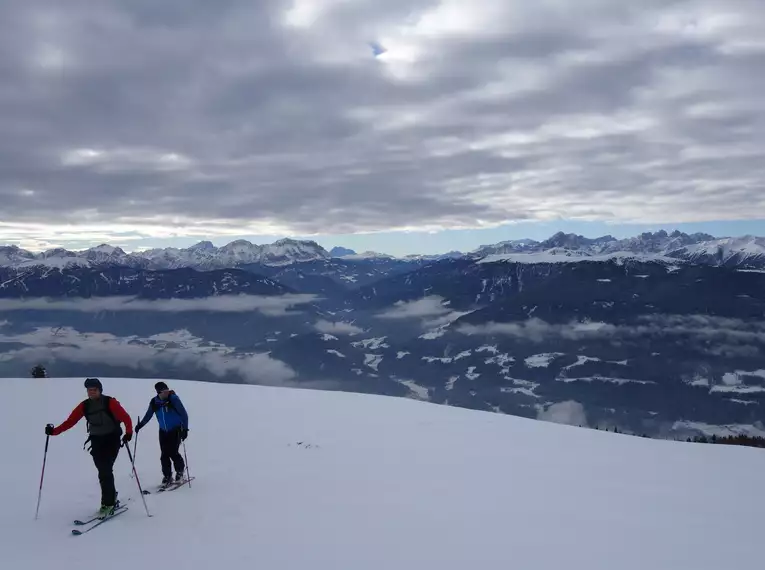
747	440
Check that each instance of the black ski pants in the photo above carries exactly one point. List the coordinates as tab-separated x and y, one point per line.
104	450
169	443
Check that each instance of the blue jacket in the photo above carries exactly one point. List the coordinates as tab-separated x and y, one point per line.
170	413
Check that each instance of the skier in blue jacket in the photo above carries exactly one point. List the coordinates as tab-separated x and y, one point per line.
173	428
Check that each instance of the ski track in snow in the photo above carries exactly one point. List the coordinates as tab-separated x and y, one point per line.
376	483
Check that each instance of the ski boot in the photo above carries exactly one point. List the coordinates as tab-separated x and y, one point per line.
106	511
179	476
166	480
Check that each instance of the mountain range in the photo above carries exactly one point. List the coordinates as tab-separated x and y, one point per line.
745	252
645	334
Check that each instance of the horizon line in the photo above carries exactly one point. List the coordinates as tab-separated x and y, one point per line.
328	249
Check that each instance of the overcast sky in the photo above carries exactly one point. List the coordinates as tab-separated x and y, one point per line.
145	122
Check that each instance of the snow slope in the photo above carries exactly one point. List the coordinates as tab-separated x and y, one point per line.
289	479
574	256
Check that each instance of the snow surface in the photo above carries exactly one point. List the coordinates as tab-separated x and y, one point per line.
300	479
744	247
542	360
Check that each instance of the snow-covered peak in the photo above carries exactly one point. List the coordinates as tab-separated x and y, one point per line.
368	255
285	251
509	246
563	255
740	251
11	255
746	251
574	241
106	249
658	242
203	246
434	256
104	253
339	251
203	255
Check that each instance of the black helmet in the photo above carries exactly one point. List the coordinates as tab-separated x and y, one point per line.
94	383
160	387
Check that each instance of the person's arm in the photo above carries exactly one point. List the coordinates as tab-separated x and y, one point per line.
146	418
121	415
181	410
76	415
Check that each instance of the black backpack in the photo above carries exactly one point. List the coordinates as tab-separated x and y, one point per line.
107	409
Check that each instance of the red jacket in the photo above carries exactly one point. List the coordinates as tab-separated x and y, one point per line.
79	412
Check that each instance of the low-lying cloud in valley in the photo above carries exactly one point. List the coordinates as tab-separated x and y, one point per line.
722	336
150	354
337	327
269	305
430	310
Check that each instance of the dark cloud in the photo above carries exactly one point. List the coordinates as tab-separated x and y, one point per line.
275	116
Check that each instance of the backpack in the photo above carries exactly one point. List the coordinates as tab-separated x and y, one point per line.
155	406
107	410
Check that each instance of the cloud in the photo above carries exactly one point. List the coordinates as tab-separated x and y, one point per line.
176	348
430	310
537	330
276	117
427	307
273	306
569	412
718	335
338	327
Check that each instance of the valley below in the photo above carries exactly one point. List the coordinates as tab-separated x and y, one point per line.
640	342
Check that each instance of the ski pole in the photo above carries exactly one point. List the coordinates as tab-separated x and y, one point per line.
185	457
132	462
39	493
135	446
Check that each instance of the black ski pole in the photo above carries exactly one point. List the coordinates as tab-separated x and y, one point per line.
45	458
185	457
132	462
135	447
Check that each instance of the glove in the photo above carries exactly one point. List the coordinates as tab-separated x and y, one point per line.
127	437
184	434
49	429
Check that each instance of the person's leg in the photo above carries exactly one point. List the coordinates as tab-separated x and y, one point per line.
104	451
176	455
165	446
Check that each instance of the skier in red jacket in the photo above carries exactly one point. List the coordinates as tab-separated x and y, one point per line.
103	415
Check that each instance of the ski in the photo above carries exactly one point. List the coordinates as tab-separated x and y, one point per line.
178	485
169	487
93	517
159	489
78	522
117	512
